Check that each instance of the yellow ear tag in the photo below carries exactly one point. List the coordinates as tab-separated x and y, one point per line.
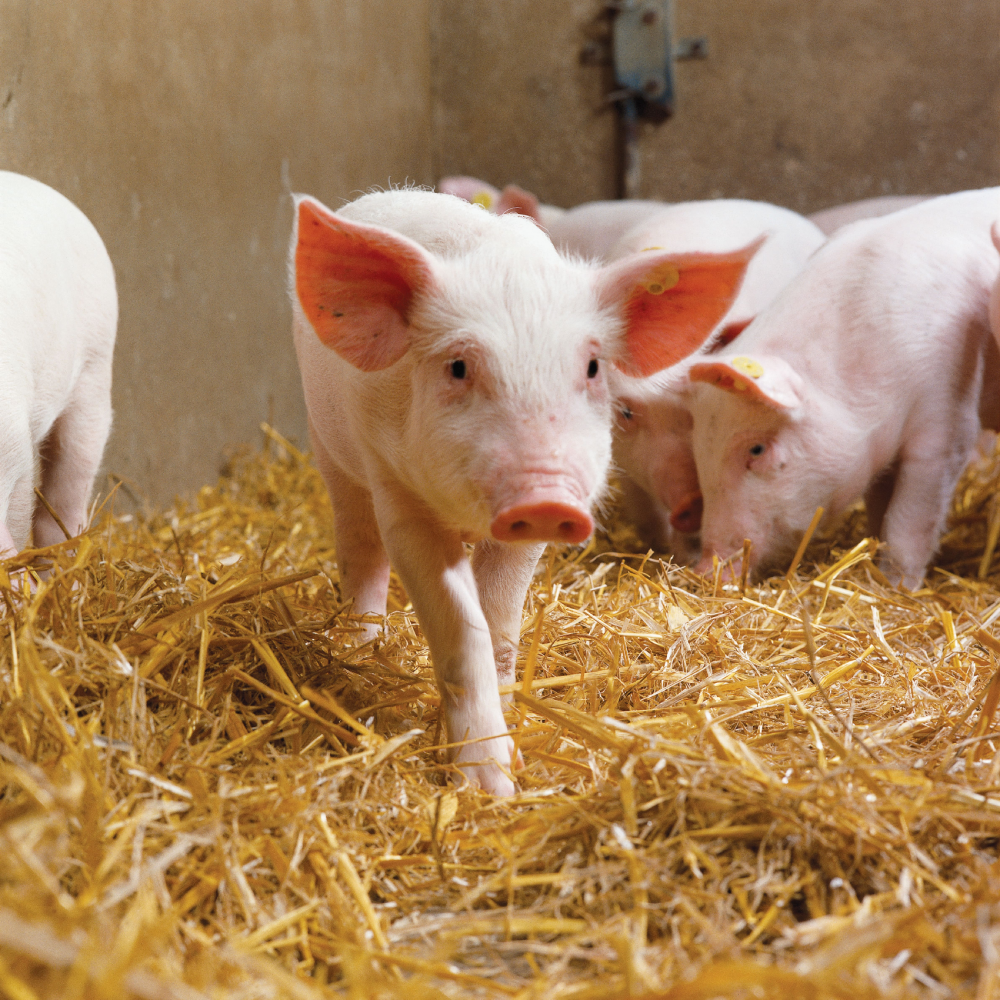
748	366
661	279
647	249
483	198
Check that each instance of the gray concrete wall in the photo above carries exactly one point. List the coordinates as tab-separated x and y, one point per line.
178	129
803	104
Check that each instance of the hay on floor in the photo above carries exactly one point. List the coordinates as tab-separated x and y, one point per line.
210	789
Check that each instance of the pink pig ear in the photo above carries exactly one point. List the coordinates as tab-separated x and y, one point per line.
766	380
355	284
515	199
671	302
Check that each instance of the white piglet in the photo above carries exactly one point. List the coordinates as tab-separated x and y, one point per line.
832	220
869	376
995	296
455	376
652	444
58	316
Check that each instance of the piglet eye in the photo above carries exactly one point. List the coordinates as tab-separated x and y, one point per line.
626	413
758	449
458	369
592	368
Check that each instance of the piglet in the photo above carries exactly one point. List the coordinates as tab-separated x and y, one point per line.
652	445
995	295
511	199
592	229
589	230
868	376
58	316
455	376
832	219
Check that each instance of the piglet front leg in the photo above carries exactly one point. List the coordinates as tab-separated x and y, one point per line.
8	548
915	516
503	573
439	580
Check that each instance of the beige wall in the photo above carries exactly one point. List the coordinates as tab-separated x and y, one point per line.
806	104
177	128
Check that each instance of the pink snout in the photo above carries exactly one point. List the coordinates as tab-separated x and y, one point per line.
543	521
686	516
731	569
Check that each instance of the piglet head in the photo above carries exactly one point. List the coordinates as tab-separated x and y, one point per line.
761	471
498	357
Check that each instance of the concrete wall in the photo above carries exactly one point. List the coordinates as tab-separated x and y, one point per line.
178	128
803	104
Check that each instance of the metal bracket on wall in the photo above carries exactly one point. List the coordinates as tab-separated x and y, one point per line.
643	55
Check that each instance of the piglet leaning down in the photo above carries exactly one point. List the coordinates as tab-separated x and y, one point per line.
454	374
58	316
870	375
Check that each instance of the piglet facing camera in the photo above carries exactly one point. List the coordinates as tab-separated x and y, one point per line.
454	369
58	316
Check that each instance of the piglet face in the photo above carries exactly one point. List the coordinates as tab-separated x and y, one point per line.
652	446
759	467
509	429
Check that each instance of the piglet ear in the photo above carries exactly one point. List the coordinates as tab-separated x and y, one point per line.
767	380
471	189
515	199
671	302
355	284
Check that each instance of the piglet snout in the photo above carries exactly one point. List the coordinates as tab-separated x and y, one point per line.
542	521
731	568
686	516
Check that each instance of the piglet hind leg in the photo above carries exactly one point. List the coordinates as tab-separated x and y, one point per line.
917	511
71	455
439	580
361	557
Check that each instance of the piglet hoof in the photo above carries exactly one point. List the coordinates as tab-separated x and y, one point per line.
487	765
491	779
898	575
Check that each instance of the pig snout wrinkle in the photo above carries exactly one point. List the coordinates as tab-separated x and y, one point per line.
542	522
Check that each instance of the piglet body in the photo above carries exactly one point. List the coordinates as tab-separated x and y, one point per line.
511	199
652	444
454	369
831	220
592	229
864	378
58	315
588	230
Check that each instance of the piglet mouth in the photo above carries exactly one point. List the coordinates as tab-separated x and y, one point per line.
732	567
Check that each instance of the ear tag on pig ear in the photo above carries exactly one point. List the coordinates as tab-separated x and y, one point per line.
747	366
484	199
661	279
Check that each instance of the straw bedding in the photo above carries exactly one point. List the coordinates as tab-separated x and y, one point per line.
210	789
